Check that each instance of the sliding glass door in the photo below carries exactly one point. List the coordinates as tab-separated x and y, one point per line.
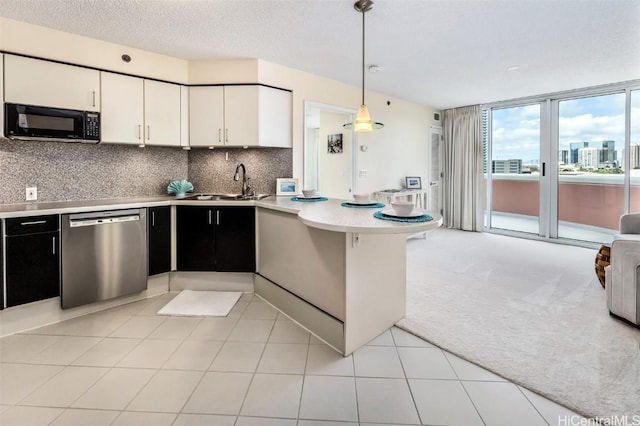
515	169
565	166
590	177
634	152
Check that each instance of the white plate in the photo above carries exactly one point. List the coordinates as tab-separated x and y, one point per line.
391	212
362	203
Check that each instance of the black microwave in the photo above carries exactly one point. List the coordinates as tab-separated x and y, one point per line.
38	122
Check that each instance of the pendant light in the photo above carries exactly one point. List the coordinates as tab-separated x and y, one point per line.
363	121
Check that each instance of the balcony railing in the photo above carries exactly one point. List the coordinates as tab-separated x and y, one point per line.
591	200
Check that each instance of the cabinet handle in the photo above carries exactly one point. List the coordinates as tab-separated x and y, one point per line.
139	131
93	98
148	132
217	217
219	135
35	222
226	135
209	217
54	245
153	219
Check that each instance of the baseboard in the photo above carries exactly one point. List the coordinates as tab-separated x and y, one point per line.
26	317
211	281
319	323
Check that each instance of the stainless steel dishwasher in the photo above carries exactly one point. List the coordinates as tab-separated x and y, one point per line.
104	255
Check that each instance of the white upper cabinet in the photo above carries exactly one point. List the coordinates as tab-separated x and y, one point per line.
1	94
275	117
44	83
161	113
206	116
242	115
122	116
138	111
184	116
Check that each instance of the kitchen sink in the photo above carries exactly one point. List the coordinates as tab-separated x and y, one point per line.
225	197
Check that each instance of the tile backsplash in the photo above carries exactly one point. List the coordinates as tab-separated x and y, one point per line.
75	171
213	170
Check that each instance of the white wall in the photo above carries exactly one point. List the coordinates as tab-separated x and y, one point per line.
28	39
398	150
223	71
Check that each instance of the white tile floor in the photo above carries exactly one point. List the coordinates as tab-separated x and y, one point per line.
127	366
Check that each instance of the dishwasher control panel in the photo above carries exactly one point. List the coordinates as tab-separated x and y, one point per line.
103	218
102	221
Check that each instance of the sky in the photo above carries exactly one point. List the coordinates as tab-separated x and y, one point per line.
516	131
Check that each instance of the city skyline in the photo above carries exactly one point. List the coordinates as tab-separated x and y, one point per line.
516	131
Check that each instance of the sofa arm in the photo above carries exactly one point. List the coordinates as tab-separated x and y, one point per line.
607	285
623	277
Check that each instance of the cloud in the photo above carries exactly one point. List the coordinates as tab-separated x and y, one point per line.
516	131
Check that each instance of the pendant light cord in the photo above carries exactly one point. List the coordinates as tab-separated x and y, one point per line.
363	12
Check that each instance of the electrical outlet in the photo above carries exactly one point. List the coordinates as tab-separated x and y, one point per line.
363	173
31	193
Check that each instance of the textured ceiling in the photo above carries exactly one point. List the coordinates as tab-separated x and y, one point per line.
442	53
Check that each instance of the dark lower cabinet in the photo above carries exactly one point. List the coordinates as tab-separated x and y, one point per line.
32	259
195	239
215	239
235	239
159	239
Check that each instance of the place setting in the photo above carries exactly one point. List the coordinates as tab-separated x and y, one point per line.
403	211
309	196
362	201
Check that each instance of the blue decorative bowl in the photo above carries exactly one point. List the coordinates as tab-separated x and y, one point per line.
179	188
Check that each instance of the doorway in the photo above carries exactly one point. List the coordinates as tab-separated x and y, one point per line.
328	150
434	201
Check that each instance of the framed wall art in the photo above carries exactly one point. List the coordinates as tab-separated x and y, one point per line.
334	143
286	186
413	182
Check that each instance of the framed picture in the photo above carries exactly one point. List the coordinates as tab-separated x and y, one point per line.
413	182
286	186
334	143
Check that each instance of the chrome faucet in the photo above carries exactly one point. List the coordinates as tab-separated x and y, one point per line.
246	189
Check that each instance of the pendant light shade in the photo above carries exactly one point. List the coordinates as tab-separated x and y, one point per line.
363	122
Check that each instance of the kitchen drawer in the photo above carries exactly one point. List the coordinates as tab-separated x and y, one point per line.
32	225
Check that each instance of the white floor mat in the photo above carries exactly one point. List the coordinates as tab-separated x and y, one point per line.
201	303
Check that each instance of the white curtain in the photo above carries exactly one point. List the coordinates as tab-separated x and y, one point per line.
463	176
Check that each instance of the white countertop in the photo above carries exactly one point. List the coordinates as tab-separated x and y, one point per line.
81	206
331	216
328	215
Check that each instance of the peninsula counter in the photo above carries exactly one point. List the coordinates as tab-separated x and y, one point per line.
339	272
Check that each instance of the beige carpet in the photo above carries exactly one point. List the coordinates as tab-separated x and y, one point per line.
530	311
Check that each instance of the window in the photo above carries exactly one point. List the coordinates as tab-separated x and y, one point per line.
556	165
